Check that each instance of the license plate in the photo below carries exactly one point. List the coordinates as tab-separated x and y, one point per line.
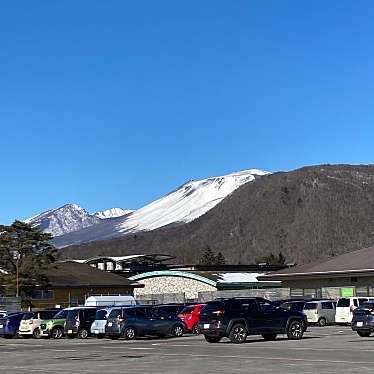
359	324
96	332
70	331
110	324
206	325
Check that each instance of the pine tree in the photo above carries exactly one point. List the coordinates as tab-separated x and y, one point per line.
220	259
208	257
31	249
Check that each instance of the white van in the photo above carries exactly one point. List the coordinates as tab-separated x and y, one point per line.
106	300
345	307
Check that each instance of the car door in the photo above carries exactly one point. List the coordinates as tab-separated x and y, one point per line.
142	322
254	316
158	321
272	317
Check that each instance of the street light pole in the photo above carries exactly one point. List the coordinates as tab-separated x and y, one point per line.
16	257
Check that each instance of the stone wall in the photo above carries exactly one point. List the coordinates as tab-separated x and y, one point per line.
172	285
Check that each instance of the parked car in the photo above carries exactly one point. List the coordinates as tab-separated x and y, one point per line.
190	316
236	318
297	305
10	324
345	307
320	312
98	326
131	322
363	319
30	323
78	322
54	328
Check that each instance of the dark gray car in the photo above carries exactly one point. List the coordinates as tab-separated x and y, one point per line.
131	322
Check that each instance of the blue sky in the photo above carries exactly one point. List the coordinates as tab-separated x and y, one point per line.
115	103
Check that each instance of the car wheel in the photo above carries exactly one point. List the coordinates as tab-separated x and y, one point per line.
322	322
57	333
269	336
238	334
364	334
129	333
82	334
177	331
36	334
195	330
212	339
295	330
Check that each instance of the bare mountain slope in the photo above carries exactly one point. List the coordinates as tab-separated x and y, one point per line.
309	213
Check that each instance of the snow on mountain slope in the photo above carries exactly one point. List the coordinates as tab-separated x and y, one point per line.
60	221
182	205
112	213
186	203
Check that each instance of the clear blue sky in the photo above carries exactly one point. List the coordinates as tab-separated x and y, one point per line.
115	103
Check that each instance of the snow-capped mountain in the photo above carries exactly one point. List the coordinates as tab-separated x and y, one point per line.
182	205
60	221
112	213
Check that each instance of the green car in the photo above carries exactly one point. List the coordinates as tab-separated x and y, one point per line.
54	328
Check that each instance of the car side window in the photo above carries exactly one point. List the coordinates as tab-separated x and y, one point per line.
265	306
236	306
327	305
249	306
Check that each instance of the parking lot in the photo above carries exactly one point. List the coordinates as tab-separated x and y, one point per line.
323	350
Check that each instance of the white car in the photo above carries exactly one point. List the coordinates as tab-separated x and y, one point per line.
345	307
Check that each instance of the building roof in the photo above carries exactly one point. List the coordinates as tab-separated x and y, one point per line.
73	274
130	259
355	263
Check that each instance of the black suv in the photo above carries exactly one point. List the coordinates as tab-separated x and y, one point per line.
236	318
78	322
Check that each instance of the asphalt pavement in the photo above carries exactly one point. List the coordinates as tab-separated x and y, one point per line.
330	349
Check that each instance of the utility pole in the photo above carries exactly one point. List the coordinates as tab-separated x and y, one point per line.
16	256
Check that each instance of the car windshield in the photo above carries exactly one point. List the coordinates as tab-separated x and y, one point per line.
101	315
115	313
61	314
28	316
187	310
310	306
344	303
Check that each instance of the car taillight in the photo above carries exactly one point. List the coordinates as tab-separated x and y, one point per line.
219	312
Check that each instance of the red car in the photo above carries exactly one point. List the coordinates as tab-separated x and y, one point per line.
190	316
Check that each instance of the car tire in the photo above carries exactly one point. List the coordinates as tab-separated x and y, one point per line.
82	334
36	334
322	322
295	330
269	336
195	330
364	334
129	333
57	333
212	339
238	333
177	331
